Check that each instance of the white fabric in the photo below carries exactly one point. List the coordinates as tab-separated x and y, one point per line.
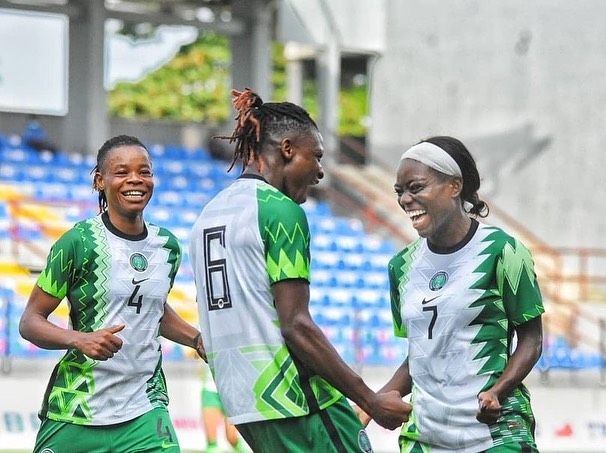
433	156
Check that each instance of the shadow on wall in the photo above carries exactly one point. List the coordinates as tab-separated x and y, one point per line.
506	152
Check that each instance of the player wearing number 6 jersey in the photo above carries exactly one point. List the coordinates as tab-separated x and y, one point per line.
460	294
279	378
108	393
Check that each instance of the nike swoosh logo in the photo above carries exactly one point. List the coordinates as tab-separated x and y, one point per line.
136	282
426	301
168	444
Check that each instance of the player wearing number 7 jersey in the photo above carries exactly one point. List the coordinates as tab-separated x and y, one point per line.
108	393
461	293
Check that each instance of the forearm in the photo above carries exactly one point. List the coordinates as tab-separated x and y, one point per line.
307	342
521	362
175	328
400	381
40	331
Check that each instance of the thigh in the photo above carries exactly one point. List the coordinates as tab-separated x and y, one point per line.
150	432
336	429
56	436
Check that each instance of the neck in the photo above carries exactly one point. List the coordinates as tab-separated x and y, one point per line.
132	226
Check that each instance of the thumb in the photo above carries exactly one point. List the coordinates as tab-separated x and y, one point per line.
116	329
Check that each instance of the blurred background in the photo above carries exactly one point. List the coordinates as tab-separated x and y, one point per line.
521	83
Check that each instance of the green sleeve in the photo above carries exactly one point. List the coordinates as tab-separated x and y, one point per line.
285	235
517	282
396	305
62	264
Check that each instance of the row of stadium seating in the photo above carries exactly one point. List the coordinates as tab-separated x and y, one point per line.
349	291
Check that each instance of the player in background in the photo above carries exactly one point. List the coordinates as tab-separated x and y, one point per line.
280	380
466	296
108	392
213	417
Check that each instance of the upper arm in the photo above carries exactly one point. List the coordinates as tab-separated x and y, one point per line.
40	303
292	301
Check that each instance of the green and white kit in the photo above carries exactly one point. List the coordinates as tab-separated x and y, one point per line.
253	232
458	309
110	279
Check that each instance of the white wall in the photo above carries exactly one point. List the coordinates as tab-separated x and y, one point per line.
507	77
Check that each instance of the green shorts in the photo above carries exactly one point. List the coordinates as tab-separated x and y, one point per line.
334	429
418	447
150	432
211	400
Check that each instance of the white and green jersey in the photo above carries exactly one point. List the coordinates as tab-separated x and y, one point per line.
109	279
458	308
247	238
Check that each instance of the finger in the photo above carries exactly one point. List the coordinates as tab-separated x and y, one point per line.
116	329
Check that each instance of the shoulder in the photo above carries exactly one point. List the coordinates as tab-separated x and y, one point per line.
499	239
171	240
405	255
274	204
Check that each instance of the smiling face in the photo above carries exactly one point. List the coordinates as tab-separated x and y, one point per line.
432	202
126	178
302	168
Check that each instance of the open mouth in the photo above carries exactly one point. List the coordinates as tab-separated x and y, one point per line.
133	194
416	214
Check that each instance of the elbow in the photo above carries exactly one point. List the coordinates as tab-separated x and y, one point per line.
296	331
24	330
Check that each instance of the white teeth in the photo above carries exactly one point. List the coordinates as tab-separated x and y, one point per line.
133	193
415	213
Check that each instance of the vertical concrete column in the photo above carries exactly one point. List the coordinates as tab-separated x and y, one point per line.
252	50
87	122
328	64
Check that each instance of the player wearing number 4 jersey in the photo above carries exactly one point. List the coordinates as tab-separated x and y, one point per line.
279	378
108	393
460	294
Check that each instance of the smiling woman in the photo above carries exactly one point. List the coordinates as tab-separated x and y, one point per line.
116	271
462	294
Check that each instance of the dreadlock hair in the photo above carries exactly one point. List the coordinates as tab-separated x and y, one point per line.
258	122
112	143
471	178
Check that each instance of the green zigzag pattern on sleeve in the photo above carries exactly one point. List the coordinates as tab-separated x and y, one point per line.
174	254
400	265
284	262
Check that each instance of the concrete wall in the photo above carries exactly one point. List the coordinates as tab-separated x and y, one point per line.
522	83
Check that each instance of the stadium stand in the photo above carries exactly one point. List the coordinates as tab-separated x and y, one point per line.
43	194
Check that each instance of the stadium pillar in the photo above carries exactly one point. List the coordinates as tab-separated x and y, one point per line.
329	81
252	50
86	123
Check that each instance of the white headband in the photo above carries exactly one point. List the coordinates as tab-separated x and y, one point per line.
433	156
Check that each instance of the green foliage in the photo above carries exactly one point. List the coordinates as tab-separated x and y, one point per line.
193	86
353	111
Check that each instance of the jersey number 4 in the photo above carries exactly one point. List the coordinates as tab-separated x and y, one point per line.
217	286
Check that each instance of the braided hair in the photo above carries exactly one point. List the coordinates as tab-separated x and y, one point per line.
471	178
103	153
257	123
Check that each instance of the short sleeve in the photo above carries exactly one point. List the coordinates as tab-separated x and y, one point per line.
285	235
517	282
61	265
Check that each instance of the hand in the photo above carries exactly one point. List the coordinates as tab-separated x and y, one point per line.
199	347
389	410
489	409
363	416
101	344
